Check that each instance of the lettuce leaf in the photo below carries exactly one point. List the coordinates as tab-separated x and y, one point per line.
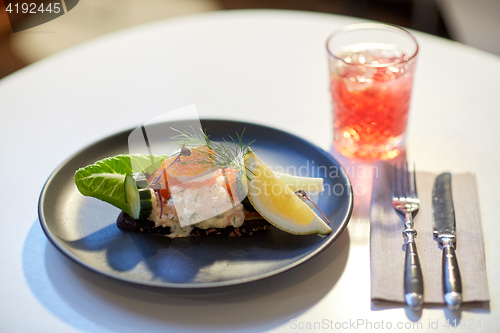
105	179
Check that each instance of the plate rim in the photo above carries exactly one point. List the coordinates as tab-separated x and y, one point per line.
198	286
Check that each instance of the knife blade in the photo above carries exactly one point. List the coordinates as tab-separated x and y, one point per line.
445	232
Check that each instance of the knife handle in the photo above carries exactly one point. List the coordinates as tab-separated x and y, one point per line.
414	282
452	283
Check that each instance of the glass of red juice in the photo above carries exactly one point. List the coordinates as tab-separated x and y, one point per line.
371	78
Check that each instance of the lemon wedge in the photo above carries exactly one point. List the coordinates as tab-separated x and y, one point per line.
277	202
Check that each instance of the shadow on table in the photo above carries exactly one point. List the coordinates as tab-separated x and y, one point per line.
93	302
191	261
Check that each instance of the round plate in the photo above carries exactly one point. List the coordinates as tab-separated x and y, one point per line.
85	230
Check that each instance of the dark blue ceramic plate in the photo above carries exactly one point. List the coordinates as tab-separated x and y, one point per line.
85	229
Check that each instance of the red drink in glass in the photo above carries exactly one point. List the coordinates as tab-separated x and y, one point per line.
370	85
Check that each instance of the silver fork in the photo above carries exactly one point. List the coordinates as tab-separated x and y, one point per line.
405	200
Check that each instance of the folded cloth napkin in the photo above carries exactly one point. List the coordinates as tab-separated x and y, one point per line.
387	253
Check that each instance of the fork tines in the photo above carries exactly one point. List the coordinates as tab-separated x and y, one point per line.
401	185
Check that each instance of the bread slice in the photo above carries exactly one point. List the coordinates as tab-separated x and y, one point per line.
145	226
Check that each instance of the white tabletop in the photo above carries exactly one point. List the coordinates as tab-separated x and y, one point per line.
266	67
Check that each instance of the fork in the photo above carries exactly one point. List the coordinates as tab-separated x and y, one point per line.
406	201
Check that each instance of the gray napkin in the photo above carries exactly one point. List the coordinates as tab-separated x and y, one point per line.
386	241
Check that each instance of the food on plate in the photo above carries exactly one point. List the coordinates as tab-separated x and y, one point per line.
278	203
202	190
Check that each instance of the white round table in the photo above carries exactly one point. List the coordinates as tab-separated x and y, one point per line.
267	67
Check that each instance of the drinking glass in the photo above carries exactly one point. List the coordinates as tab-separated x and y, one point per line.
371	78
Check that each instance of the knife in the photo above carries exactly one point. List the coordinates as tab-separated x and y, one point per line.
444	230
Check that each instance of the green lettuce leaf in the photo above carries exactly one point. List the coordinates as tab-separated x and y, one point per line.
105	179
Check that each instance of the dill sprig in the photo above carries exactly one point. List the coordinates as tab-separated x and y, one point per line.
226	154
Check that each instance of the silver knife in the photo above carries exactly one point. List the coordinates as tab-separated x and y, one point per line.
444	230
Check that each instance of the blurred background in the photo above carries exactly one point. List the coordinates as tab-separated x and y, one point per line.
472	22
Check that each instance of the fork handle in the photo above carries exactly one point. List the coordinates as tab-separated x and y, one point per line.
414	282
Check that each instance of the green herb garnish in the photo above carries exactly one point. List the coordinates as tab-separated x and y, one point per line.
226	154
